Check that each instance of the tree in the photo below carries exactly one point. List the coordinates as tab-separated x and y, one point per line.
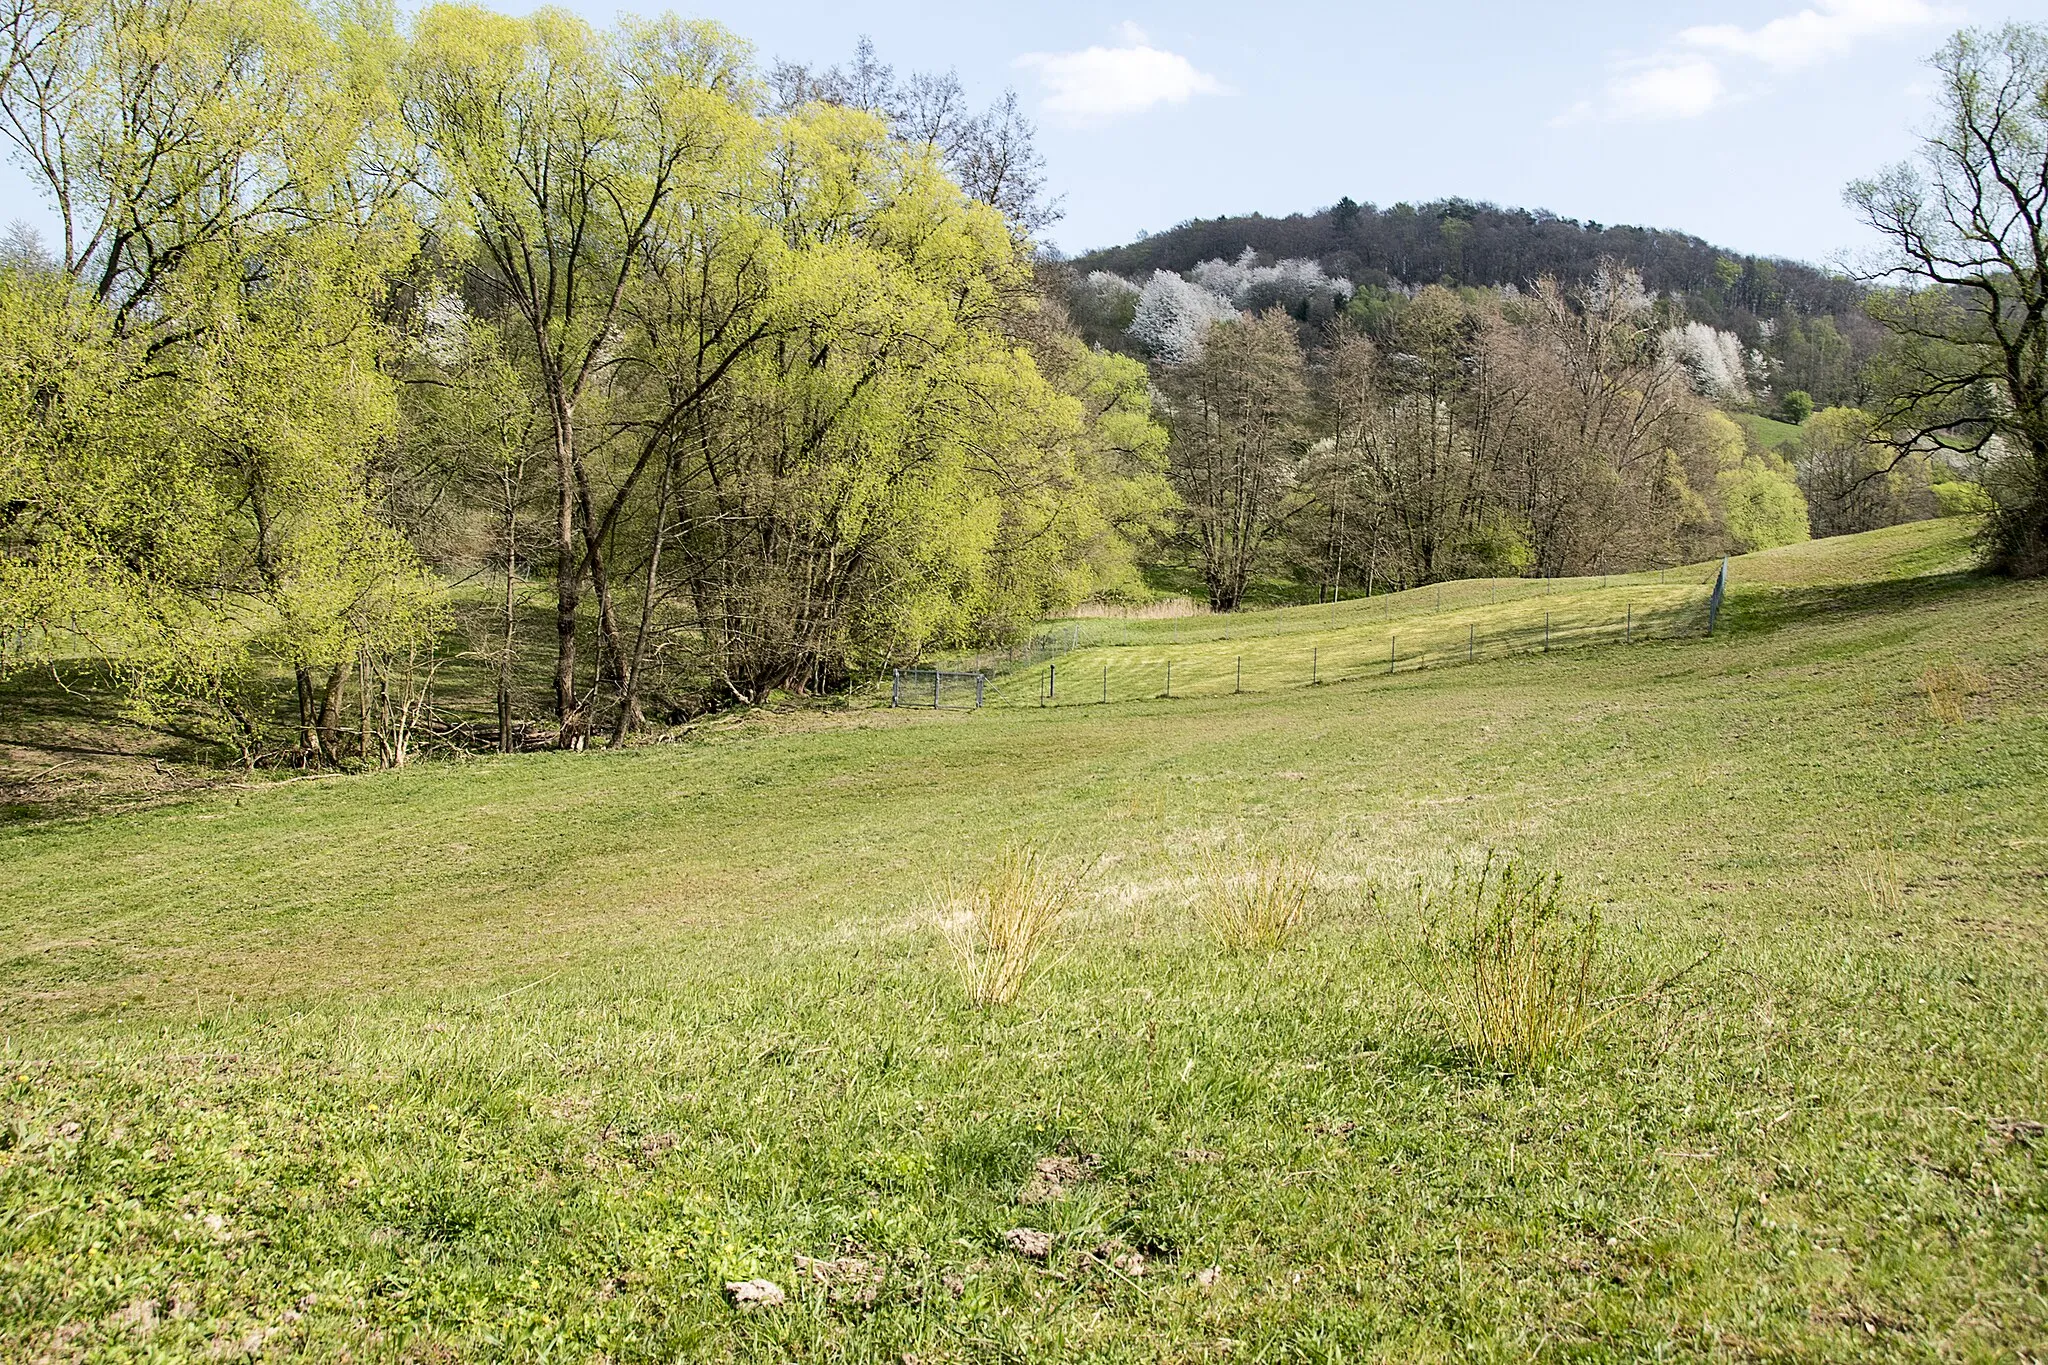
1238	413
553	150
1173	318
993	156
1796	406
1968	225
1614	456
194	393
1853	480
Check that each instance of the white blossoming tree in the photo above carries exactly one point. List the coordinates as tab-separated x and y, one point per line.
1174	315
1713	361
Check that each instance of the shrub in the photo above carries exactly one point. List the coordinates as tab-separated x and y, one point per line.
1001	924
1517	961
1255	899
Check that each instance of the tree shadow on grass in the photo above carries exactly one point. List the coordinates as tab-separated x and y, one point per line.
1766	610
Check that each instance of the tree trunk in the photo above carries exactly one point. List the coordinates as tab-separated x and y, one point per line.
309	741
568	576
505	744
630	718
330	715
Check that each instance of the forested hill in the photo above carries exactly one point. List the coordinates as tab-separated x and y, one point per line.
1460	242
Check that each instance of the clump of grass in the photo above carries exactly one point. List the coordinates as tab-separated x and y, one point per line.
1001	924
1948	689
1517	958
1255	899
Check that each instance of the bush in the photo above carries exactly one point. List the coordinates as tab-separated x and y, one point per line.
1516	958
1000	925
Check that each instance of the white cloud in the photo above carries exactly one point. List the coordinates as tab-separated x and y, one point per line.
1690	77
1683	89
1829	29
1097	84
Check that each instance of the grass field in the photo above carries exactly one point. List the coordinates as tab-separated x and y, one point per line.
524	1059
1769	432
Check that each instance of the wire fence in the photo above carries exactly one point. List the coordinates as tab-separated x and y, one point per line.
937	689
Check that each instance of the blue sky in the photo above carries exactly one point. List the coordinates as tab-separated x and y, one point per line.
1736	120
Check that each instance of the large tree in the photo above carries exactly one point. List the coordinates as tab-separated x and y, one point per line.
191	389
1238	412
1966	227
556	153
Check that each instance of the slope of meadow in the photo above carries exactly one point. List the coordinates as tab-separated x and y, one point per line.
524	1059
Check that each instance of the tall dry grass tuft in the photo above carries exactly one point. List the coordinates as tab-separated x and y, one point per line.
1001	924
1881	879
1517	961
1255	899
1948	689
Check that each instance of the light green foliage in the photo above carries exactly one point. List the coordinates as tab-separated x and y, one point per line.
1123	501
520	1060
1959	499
1853	481
1796	406
1761	504
1497	546
193	392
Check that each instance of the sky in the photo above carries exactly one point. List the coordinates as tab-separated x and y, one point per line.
1738	121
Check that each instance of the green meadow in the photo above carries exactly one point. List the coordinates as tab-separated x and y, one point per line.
528	1058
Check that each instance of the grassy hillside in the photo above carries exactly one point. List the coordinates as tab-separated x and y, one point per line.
1769	432
523	1059
1462	622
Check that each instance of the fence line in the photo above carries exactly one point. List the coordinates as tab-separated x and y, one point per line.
1102	661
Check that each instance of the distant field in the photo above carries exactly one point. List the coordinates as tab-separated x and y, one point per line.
523	1059
1261	651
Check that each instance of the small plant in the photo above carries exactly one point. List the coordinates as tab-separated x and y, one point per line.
1517	959
1000	925
1254	900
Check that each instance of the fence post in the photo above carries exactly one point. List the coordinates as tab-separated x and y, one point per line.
979	679
1471	641
1714	602
1628	625
896	688
1105	682
1314	663
1169	677
1240	672
1052	680
1390	653
937	678
1546	632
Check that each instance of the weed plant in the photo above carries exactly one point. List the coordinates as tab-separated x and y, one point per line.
1517	959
